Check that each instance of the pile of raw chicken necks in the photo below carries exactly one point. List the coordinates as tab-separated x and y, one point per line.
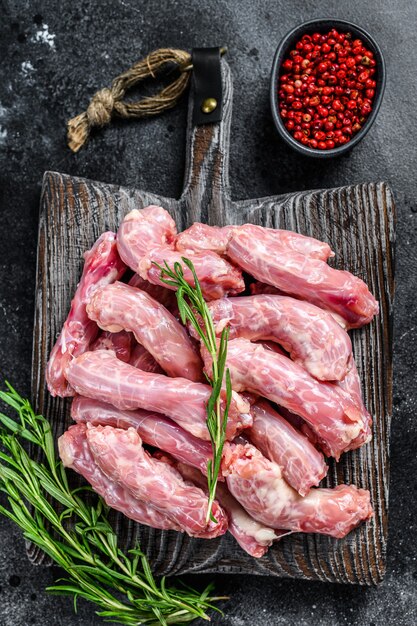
137	377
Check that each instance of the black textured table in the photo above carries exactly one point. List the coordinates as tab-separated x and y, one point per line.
57	55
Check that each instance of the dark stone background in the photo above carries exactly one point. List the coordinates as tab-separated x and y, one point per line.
54	56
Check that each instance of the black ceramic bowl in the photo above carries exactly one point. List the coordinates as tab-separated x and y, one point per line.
289	41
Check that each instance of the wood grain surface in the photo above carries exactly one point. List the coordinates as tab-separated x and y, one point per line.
358	221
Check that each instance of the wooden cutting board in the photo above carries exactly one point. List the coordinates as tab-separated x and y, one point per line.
358	221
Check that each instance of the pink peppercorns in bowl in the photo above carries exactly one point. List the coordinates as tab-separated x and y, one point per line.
327	83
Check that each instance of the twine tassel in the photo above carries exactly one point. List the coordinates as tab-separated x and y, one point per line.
108	102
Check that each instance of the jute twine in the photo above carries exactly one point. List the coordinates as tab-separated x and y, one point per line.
108	102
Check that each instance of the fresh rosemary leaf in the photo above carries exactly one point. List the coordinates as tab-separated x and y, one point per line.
88	550
192	306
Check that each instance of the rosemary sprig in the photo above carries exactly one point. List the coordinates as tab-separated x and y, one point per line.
191	305
79	538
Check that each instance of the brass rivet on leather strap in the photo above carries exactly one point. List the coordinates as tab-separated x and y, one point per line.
209	105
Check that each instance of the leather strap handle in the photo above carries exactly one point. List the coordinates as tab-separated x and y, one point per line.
207	86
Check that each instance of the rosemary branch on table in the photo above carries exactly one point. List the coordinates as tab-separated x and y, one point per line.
192	306
77	534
